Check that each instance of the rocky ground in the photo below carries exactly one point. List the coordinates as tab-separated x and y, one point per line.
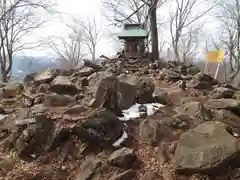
63	125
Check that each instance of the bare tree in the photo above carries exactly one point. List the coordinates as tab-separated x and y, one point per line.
229	17
189	46
118	11
70	50
183	19
91	33
18	19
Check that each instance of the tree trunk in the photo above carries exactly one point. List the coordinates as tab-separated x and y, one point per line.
4	76
94	54
154	31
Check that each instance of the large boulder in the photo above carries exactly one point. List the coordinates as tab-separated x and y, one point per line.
86	170
193	70
152	131
33	138
63	85
108	95
237	95
204	77
195	109
29	77
101	127
96	77
92	64
45	76
116	68
57	100
227	117
123	158
202	81
145	88
161	96
169	75
11	90
224	103
222	92
59	134
205	148
114	95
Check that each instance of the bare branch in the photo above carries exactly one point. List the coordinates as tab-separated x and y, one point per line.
18	18
182	24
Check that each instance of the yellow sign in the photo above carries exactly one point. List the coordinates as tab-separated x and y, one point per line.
213	56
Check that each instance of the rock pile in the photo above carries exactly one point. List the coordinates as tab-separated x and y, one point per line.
65	124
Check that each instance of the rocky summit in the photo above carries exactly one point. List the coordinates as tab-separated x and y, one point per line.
120	120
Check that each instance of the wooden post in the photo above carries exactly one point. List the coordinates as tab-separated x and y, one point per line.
216	73
205	69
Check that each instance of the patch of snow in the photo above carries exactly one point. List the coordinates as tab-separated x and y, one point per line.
3	117
133	113
235	134
121	139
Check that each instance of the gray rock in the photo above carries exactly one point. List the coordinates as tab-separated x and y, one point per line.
57	100
193	70
11	90
227	117
205	149
181	121
128	92
200	85
221	92
195	109
63	85
7	164
145	88
86	169
169	75
161	96
108	95
91	64
29	77
114	95
224	103
237	95
204	77
101	127
86	71
38	109
33	139
43	88
95	78
23	122
123	158
58	135
202	81
152	131
45	77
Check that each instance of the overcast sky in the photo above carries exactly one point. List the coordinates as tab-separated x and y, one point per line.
90	8
80	9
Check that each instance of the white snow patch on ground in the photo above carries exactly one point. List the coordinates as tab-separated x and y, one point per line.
132	112
121	139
